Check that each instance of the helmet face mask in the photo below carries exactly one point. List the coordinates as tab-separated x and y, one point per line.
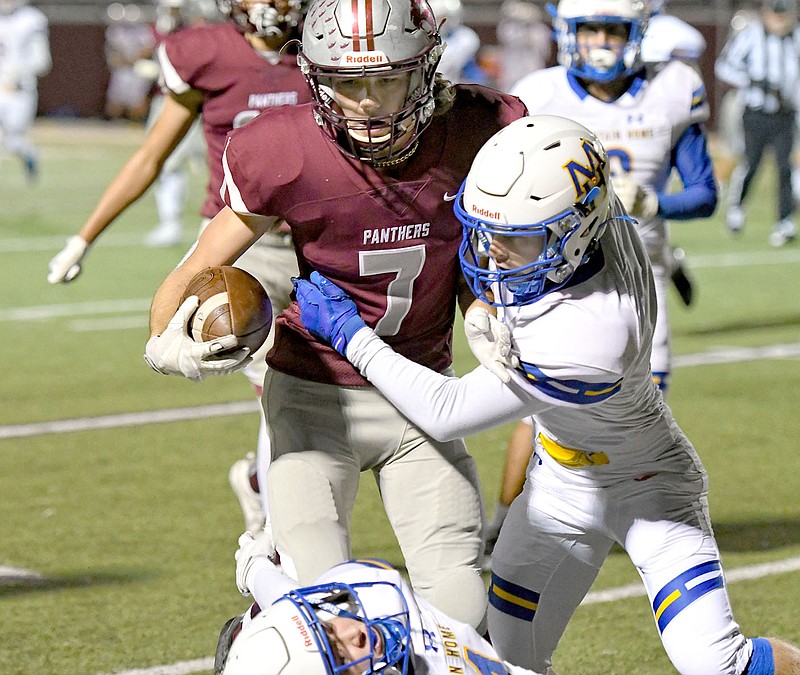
600	63
298	634
543	178
272	19
371	44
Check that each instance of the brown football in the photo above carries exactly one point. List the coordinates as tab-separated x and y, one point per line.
232	301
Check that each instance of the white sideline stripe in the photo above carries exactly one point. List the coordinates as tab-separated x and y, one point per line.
596	597
737	354
8	573
127	419
118	323
737	574
180	668
759	259
56	243
91	308
733	355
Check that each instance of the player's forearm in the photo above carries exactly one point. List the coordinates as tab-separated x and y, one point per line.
167	298
131	182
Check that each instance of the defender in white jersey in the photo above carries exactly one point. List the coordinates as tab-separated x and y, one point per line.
358	617
649	125
650	122
547	242
24	58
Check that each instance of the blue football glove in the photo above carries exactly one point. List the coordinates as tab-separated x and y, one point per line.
327	311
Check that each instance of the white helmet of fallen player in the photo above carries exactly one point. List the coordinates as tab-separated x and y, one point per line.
347	42
534	204
603	63
326	630
11	6
271	19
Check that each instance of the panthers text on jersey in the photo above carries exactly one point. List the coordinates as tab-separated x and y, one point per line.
390	241
237	84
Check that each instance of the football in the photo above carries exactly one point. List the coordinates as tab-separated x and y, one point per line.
232	301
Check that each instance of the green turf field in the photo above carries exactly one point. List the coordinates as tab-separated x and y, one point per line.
128	532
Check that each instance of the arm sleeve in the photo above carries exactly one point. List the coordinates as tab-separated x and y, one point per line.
269	584
698	199
443	407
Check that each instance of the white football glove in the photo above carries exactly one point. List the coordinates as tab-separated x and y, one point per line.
490	342
66	264
254	554
175	353
639	201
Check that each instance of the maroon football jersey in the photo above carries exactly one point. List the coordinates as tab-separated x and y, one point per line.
390	242
236	81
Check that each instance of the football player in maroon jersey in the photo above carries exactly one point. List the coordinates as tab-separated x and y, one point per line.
227	73
364	176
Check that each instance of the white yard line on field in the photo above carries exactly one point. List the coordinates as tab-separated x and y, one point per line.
55	243
128	419
732	355
609	595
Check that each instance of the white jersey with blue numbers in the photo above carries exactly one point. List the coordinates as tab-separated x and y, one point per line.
639	130
584	375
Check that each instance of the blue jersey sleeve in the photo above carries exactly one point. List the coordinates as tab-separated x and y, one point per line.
698	199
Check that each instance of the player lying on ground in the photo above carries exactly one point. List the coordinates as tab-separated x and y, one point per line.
548	244
358	617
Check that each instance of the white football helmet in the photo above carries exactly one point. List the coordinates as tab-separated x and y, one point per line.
290	637
346	39
544	177
264	19
601	65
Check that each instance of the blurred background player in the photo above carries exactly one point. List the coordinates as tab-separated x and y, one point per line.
171	187
358	617
228	72
524	42
459	62
650	122
128	39
763	62
385	139
666	39
24	58
549	245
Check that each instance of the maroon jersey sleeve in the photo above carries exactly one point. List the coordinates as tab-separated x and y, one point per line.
391	242
237	83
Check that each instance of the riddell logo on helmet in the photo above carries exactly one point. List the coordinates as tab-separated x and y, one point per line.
363	58
486	213
308	643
